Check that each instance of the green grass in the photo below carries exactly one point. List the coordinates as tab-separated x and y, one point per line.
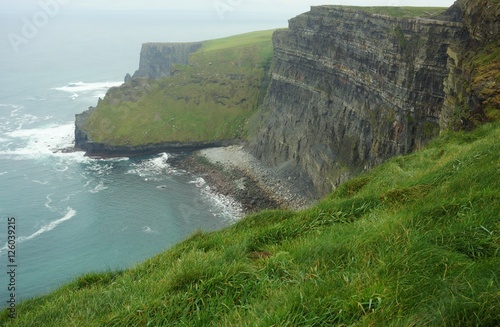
210	99
403	12
415	242
238	41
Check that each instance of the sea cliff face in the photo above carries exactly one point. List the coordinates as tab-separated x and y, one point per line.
157	58
347	89
350	89
183	96
156	61
472	86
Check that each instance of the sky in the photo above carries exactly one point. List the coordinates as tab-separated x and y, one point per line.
215	6
21	21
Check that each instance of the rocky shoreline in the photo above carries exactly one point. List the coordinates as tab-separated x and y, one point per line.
232	171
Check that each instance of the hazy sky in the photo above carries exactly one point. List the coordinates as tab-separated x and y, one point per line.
265	6
30	18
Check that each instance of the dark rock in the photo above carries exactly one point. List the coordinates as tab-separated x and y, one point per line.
252	197
100	150
350	89
471	89
81	136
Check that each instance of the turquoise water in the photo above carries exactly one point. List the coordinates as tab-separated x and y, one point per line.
75	214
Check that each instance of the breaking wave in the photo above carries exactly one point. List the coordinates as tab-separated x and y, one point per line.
44	229
97	90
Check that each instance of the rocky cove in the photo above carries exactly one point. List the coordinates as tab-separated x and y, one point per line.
347	88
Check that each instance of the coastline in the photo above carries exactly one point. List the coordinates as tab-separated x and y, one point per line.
233	171
228	169
104	151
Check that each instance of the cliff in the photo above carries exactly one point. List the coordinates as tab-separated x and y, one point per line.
156	61
183	96
350	89
473	84
157	58
347	88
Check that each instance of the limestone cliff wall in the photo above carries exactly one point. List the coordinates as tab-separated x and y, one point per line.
157	58
471	87
350	89
156	62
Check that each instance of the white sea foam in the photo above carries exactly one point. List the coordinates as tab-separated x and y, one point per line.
100	187
148	230
16	119
36	99
225	206
96	89
199	182
100	167
49	201
47	228
40	182
153	169
42	142
44	229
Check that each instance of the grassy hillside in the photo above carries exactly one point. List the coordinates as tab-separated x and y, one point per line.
208	100
413	243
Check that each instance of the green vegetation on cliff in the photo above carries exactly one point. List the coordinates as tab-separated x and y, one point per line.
475	96
413	243
208	100
403	12
484	67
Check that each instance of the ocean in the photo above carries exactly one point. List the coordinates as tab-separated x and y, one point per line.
73	214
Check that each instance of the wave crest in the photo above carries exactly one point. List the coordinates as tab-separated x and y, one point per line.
44	229
98	89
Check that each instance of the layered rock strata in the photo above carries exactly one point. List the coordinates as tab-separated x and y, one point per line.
473	84
350	89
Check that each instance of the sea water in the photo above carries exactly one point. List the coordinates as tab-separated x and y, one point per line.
73	214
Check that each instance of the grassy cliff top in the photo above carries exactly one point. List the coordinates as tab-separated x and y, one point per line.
210	99
415	242
403	12
238	41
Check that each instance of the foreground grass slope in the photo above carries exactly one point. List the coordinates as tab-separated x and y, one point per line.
413	243
208	100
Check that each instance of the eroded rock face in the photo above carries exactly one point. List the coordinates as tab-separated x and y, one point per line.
157	58
481	18
156	62
350	89
472	86
81	136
